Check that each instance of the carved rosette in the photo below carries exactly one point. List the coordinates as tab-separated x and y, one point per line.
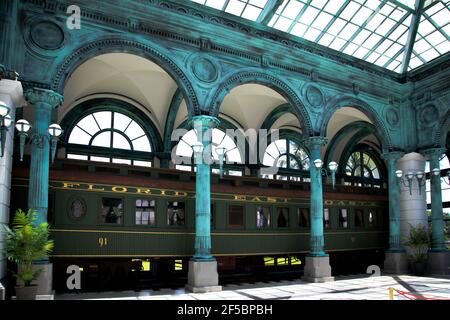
314	96
392	117
428	115
44	96
204	69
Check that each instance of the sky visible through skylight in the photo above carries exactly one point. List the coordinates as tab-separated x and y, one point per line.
377	31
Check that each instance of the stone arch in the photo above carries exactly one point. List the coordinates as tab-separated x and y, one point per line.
362	127
353	102
271	81
122	45
275	114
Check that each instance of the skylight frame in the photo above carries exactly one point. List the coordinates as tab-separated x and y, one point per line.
381	37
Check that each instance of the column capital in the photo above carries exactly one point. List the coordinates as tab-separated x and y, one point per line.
204	122
431	153
315	141
392	156
44	96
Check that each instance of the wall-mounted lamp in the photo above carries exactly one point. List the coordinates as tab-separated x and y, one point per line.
221	153
437	173
419	175
5	123
22	126
332	167
54	132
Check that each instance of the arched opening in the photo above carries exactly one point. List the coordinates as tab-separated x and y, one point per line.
355	144
133	92
108	130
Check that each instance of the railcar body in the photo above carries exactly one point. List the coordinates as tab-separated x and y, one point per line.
130	227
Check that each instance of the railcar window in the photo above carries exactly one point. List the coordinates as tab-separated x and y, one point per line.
326	218
343	218
372	219
283	217
359	218
235	216
112	210
263	217
145	212
175	213
303	217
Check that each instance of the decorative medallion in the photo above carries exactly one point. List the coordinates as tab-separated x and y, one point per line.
77	208
204	70
47	35
428	115
392	117
314	96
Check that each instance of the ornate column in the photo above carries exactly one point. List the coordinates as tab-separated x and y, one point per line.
203	276
44	102
396	261
438	256
317	265
11	94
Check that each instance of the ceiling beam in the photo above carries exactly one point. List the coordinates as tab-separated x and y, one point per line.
412	35
269	11
403	6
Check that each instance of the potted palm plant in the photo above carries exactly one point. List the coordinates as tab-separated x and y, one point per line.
25	243
418	241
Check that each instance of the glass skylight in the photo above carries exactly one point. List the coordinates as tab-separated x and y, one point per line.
376	31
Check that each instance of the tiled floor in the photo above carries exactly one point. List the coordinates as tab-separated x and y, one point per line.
344	288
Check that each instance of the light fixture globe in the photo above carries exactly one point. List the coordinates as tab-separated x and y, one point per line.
436	172
318	163
55	130
419	175
7	121
4	109
197	147
333	166
409	175
23	126
399	173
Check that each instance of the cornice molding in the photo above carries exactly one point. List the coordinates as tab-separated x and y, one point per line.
211	16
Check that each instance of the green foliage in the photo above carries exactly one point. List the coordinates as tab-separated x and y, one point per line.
26	243
419	240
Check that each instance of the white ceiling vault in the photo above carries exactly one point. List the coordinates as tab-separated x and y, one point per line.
397	35
147	86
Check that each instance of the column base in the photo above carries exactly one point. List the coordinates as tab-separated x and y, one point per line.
439	263
203	277
396	263
317	269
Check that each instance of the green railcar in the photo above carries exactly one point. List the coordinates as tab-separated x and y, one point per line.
131	228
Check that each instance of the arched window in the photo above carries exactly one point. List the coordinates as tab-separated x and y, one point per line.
359	165
109	136
289	157
219	140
